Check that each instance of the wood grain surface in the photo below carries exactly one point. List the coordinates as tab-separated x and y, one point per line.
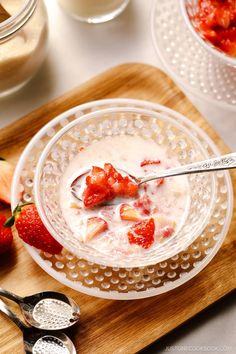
114	326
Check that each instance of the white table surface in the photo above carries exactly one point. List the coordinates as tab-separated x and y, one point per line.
79	51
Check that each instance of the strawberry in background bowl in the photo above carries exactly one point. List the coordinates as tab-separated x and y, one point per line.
213	24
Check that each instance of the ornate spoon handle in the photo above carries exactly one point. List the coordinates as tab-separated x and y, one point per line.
224	162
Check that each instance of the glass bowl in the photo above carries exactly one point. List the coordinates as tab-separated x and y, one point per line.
189	9
83	131
93	11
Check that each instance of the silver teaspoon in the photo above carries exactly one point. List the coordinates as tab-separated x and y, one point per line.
224	162
39	341
48	310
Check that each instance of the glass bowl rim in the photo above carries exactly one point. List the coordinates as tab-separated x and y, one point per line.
17	21
82	254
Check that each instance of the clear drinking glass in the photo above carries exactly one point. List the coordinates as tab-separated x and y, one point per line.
94	11
23	43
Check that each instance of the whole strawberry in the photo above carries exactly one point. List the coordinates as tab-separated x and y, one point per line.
5	236
32	230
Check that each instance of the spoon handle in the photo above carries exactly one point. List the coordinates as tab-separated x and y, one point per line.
224	162
11	296
5	309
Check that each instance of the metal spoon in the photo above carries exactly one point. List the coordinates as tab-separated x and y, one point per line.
224	162
4	15
38	341
48	310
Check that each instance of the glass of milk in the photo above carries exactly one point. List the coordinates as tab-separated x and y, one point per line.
94	11
23	43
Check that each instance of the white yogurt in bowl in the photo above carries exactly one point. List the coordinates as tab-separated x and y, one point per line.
166	201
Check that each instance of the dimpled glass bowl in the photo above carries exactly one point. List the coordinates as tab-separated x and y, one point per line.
85	130
189	9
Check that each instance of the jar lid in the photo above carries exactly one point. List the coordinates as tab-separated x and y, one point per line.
16	21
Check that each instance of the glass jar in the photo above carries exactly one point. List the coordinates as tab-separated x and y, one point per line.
23	42
94	11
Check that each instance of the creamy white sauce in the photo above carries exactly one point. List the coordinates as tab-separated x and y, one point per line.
171	199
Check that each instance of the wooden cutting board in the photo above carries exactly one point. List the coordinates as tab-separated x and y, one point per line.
115	326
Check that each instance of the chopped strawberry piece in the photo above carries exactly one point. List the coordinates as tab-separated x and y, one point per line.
144	203
222	16
216	20
149	162
96	195
98	190
95	226
142	233
127	212
167	231
159	182
130	188
105	184
112	173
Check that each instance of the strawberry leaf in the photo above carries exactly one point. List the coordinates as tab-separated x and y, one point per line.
10	221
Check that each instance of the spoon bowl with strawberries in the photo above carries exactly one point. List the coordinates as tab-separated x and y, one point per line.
102	186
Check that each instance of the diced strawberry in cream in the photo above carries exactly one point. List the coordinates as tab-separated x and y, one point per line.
129	213
95	226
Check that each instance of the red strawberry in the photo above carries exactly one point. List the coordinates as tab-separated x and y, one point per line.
127	212
142	233
31	229
150	162
2	219
105	184
216	20
121	186
98	190
167	231
159	182
95	226
6	175
5	236
144	203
